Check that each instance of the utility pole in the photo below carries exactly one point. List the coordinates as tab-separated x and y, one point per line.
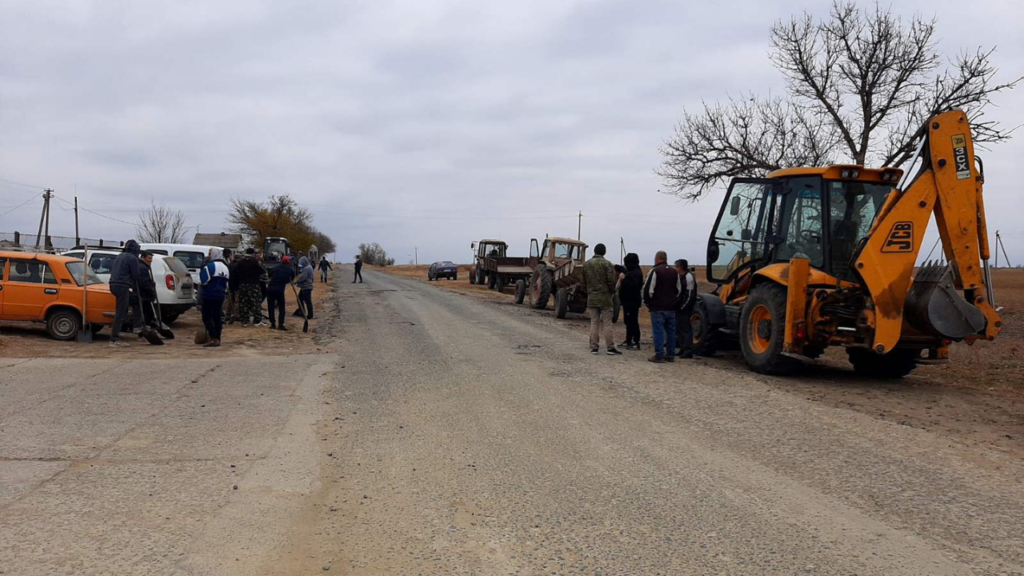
416	251
997	249
44	217
579	227
78	239
1000	245
622	251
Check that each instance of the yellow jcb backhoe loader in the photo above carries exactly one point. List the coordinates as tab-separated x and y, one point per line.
815	257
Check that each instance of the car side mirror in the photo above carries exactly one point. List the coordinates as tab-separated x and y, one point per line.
734	206
746	234
713	252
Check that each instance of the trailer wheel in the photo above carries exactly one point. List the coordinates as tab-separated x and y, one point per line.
705	334
520	291
763	328
895	364
500	285
616	309
561	303
540	287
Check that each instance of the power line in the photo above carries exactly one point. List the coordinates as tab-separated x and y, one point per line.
96	213
27	202
21	184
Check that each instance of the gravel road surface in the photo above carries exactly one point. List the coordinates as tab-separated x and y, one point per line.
444	435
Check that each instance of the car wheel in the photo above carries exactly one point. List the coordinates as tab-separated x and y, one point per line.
63	324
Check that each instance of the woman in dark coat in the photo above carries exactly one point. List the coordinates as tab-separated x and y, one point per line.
631	284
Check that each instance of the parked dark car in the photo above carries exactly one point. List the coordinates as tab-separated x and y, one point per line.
444	269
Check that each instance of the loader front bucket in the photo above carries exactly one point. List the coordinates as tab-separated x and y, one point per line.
935	307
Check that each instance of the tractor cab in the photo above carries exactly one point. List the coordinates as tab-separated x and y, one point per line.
275	248
822	214
558	251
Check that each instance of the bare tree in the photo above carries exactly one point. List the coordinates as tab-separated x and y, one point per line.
861	84
375	255
161	224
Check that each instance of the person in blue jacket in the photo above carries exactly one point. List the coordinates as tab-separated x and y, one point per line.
213	279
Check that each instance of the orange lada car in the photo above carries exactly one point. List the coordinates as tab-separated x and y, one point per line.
40	287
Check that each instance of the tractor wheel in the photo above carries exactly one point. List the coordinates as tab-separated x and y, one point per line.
763	329
705	334
540	287
63	324
481	277
616	309
520	291
500	285
492	280
472	275
561	303
895	364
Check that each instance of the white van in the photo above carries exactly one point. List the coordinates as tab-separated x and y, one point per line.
175	290
191	255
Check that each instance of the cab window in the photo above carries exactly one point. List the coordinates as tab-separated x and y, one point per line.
567	251
31	272
740	236
800	221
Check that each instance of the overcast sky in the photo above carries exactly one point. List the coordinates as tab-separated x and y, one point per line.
420	123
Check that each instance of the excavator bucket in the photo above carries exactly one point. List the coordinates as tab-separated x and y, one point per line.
935	307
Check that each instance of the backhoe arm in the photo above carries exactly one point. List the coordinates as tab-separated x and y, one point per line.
948	184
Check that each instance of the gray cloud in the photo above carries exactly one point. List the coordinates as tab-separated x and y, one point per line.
412	123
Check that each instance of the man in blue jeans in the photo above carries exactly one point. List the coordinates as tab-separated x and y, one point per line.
661	291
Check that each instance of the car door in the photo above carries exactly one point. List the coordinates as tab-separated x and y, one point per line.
29	288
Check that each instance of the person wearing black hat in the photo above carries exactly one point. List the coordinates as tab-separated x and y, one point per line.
280	277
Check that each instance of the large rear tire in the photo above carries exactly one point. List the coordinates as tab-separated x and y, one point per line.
705	334
561	303
763	330
492	280
520	291
895	364
541	283
481	276
472	275
500	285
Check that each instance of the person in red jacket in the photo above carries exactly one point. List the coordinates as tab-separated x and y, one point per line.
661	292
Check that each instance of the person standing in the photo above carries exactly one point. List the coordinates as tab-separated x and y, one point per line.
232	297
147	289
124	276
324	266
249	272
631	284
213	281
305	284
280	276
687	300
661	291
599	277
359	270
